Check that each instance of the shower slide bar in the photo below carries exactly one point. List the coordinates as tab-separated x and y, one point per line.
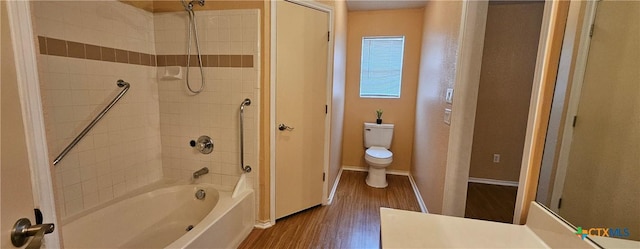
120	83
245	169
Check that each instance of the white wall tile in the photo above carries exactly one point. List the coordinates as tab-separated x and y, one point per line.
214	112
78	89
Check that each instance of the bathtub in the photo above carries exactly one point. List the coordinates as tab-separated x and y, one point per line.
166	216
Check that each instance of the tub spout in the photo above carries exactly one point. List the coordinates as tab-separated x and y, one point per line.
200	172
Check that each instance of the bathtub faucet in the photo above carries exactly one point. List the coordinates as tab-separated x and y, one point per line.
200	172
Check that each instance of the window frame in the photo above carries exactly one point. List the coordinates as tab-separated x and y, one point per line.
364	38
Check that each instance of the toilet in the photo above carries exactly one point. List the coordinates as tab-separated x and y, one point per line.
377	140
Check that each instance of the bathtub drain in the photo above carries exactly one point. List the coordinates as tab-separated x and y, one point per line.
200	194
189	228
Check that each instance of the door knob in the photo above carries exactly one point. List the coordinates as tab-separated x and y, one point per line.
283	127
23	229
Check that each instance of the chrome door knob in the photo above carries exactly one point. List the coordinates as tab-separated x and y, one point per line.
284	127
23	229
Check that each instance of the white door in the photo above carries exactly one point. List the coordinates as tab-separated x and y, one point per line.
604	158
17	197
301	78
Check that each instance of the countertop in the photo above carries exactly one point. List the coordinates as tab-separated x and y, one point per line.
407	229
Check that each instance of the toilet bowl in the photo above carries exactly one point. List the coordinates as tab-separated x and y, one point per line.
378	158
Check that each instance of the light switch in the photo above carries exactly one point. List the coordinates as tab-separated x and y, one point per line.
448	97
447	116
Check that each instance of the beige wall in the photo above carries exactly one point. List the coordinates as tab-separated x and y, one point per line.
338	95
264	158
508	64
440	33
174	6
400	112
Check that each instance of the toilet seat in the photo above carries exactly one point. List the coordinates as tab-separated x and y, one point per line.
379	152
378	156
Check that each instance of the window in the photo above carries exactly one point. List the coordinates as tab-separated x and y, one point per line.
381	67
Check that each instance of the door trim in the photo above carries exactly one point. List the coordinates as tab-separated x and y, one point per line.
272	104
32	115
529	171
574	100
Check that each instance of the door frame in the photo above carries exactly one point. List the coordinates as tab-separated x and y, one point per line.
272	105
574	101
537	119
23	39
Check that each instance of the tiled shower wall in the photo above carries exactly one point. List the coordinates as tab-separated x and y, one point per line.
223	35
123	150
86	46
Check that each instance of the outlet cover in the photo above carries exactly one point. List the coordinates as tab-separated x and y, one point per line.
496	158
447	116
448	97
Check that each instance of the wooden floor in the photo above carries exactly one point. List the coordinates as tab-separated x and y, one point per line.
352	221
490	202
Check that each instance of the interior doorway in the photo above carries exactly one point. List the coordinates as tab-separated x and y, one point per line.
508	65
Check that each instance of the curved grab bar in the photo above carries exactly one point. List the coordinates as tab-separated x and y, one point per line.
120	83
245	169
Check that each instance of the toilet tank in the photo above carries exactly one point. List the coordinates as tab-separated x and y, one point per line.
378	135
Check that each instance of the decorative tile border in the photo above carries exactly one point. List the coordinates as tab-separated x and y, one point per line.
56	47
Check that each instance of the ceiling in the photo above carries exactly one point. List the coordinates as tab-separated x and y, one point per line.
358	5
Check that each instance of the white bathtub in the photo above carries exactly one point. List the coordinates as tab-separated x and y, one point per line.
159	219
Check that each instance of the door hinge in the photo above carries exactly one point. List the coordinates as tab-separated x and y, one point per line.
326	109
38	215
575	119
559	203
591	29
328	35
323	175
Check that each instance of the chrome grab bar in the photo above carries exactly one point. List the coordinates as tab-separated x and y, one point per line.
120	83
245	169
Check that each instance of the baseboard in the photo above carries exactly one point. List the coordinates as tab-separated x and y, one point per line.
335	187
398	172
354	168
493	182
423	207
263	224
389	171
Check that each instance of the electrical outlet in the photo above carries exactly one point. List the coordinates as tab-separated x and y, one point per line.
496	158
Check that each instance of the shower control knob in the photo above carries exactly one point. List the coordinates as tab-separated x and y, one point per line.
204	144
